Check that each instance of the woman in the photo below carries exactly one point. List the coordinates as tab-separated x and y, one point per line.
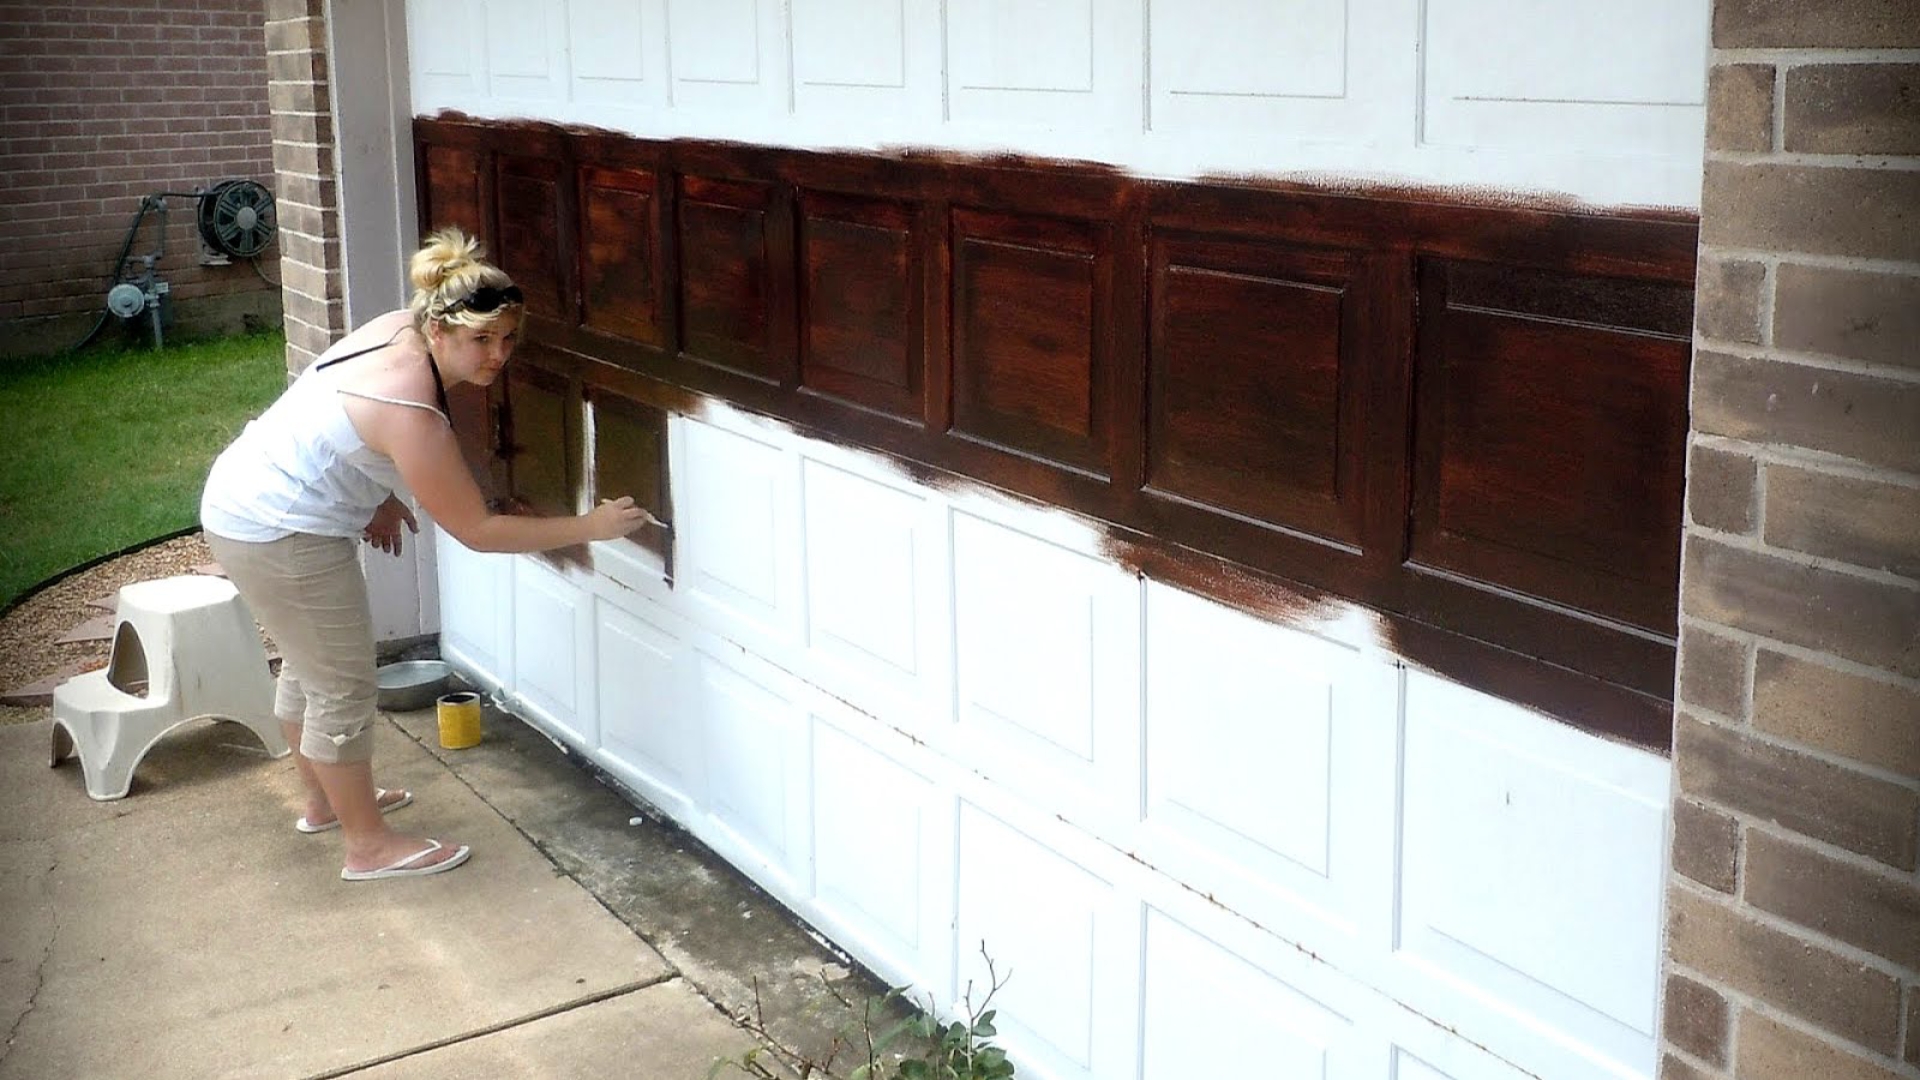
286	504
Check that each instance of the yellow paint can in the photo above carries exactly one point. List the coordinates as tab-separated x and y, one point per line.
459	720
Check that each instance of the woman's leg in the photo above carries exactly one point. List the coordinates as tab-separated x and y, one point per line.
309	594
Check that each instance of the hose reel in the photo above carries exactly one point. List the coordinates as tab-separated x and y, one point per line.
237	218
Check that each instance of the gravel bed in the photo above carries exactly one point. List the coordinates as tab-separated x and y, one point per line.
27	633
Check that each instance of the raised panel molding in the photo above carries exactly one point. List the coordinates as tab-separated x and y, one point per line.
1062	930
1573	829
1210	1013
1029	362
608	43
524	57
756	751
861	302
726	276
543	465
451	189
1549	435
530	212
1256	381
646	723
1034	45
850	43
621	277
735	526
715	41
551	627
1624	79
1258	49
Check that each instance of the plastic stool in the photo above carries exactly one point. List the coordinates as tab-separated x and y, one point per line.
190	643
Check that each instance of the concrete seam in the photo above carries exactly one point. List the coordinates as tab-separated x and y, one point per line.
495	1028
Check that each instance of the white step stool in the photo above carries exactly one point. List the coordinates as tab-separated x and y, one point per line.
191	644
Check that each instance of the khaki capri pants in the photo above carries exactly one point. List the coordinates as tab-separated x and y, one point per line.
310	595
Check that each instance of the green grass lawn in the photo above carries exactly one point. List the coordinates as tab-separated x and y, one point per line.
105	449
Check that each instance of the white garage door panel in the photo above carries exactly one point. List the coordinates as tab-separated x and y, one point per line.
1532	863
551	635
1522	75
526	54
1067	934
863	572
1268	768
735	525
756	750
1210	1013
645	721
615	49
1046	648
476	608
883	855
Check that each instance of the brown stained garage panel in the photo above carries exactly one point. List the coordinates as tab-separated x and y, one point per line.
629	456
1469	418
543	462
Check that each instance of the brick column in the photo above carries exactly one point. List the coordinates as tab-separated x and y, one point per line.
307	186
1793	905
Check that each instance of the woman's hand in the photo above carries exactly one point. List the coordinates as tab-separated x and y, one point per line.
615	518
383	531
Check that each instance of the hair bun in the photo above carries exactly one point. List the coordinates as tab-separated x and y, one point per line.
445	254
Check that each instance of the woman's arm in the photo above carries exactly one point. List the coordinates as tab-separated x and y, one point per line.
429	460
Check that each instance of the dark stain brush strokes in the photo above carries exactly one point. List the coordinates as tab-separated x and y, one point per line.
1464	411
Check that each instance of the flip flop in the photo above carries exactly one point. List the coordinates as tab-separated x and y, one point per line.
405	867
406	797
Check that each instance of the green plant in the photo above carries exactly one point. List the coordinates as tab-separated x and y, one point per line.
918	1046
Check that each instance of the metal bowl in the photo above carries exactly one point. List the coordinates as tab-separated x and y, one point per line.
412	684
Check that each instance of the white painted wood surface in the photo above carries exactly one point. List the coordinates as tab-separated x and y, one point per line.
1204	844
1604	103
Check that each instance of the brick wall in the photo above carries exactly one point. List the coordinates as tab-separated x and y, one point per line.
308	186
1794	907
102	102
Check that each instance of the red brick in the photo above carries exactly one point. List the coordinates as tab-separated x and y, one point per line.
1812	797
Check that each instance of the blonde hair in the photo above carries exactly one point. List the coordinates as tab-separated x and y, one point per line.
446	269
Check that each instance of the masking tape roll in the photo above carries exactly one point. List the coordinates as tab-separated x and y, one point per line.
459	720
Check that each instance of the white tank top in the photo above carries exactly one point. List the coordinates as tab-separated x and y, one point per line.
301	467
